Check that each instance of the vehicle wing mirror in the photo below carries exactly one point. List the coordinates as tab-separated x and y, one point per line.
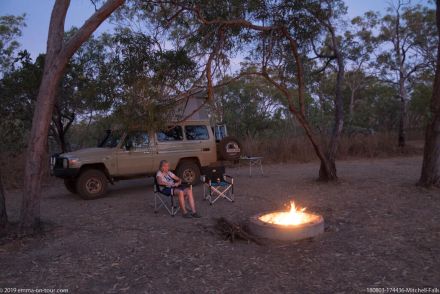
128	145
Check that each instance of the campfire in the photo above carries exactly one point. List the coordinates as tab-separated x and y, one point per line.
294	224
288	218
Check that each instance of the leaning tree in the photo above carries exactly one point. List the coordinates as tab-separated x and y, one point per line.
273	35
58	54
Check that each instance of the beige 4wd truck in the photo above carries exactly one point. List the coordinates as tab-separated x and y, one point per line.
190	147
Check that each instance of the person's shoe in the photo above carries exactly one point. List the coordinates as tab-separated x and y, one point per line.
187	215
196	215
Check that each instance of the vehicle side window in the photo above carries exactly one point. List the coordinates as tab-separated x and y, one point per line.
138	140
196	133
111	141
174	134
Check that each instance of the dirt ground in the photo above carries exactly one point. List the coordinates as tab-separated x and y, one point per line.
381	231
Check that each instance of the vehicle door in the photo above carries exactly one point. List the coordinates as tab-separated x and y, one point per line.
198	143
136	156
169	145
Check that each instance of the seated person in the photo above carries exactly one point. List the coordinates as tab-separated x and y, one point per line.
172	185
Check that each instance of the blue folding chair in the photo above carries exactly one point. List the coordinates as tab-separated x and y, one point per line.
216	185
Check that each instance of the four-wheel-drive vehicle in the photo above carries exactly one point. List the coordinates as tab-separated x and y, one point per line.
189	147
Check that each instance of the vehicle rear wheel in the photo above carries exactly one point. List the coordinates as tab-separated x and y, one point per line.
229	148
70	185
189	172
92	184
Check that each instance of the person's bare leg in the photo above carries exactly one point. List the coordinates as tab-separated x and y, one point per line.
182	201
191	200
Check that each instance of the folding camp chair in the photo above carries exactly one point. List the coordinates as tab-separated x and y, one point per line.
217	185
164	199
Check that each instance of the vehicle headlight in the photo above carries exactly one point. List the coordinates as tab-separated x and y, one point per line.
65	163
73	162
52	161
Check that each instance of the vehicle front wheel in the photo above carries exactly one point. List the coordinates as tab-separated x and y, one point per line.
70	186
92	184
189	172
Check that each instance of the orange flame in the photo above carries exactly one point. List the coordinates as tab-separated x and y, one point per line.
288	218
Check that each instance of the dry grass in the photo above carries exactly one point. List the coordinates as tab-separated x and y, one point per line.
299	149
12	170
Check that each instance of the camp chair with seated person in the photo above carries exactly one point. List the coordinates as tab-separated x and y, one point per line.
217	185
167	186
163	198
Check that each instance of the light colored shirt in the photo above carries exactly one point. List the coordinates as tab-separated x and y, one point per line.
169	178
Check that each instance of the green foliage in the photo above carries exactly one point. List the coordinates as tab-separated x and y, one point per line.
10	30
146	79
377	107
249	106
18	90
420	100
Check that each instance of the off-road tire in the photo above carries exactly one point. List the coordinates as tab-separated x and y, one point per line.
189	172
229	148
92	184
70	186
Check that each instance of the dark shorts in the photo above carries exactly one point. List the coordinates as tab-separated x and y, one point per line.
167	191
170	191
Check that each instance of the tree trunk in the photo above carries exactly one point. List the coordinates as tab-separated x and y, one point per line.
400	60
327	171
403	113
3	214
431	157
37	151
57	56
351	106
339	116
59	130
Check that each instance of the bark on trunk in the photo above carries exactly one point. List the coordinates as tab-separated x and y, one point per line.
3	214
431	158
57	56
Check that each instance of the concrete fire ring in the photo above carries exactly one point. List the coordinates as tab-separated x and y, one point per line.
286	233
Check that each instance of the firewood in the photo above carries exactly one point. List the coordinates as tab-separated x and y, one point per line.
233	231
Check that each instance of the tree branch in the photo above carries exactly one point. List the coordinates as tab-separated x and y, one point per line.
299	69
88	28
232	22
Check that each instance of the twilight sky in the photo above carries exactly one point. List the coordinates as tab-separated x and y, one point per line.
38	14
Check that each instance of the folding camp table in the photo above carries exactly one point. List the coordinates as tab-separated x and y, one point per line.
254	161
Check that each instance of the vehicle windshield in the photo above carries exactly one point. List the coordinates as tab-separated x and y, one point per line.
111	140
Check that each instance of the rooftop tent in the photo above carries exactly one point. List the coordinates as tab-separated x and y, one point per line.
187	106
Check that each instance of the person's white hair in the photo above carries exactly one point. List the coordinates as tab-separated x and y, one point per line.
161	164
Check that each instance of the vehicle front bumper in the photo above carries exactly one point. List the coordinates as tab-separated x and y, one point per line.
65	172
